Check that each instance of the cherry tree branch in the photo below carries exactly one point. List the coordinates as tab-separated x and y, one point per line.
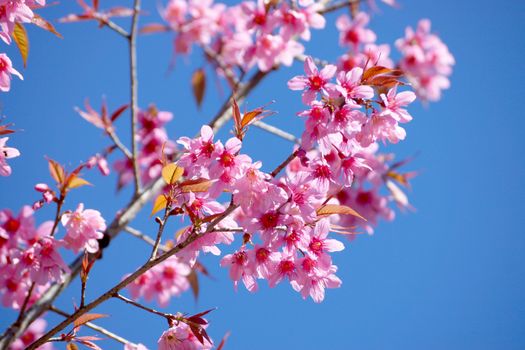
276	131
134	93
130	278
94	327
134	232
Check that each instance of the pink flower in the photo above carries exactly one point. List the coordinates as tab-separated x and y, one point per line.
180	337
241	268
83	227
12	11
6	70
32	333
314	81
6	153
394	103
353	32
49	260
349	85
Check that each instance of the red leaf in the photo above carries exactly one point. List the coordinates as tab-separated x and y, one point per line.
223	341
118	112
237	119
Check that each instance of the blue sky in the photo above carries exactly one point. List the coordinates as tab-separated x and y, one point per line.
449	276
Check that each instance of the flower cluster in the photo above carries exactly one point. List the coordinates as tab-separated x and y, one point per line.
154	142
285	221
30	260
162	282
259	33
13	13
360	40
426	61
181	337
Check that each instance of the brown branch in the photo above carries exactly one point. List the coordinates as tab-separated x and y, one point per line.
113	291
162	224
284	164
143	307
134	232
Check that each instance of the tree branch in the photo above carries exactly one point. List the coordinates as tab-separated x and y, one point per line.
134	94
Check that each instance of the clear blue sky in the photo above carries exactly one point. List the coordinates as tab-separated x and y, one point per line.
450	276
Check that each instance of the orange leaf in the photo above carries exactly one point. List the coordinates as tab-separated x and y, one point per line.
249	116
373	71
171	173
154	28
57	171
87	318
198	83
199	185
330	209
77	182
22	41
42	23
160	203
71	346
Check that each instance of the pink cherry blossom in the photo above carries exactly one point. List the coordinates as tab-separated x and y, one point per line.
353	32
314	82
83	227
180	337
32	333
6	70
6	153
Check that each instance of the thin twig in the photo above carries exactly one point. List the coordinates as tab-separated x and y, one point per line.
162	224
143	307
130	278
115	27
116	140
95	327
134	94
134	232
276	131
284	164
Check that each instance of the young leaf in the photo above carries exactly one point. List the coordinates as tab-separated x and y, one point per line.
237	119
171	173
198	185
42	23
330	209
87	318
154	28
159	204
22	41
249	116
77	182
193	279
198	83
71	346
118	112
57	171
223	341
